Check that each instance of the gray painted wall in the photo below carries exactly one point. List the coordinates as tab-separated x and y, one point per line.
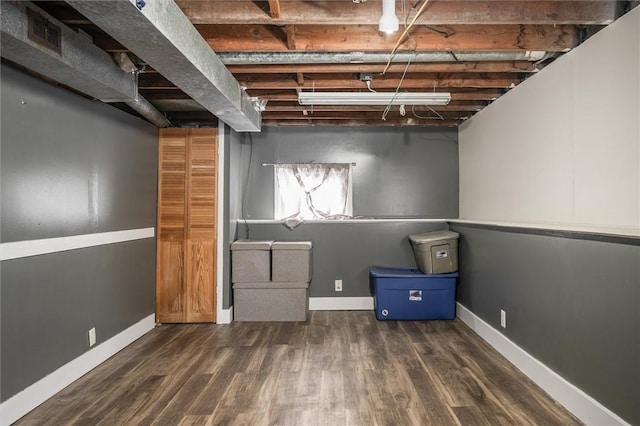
573	304
232	204
50	302
400	172
346	251
70	166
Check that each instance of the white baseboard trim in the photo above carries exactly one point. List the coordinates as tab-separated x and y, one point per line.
340	303
581	405
20	404
225	316
20	249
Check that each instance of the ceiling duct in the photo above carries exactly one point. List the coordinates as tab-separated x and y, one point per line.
161	35
40	43
37	41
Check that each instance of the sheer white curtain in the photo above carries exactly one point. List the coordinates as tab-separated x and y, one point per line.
313	191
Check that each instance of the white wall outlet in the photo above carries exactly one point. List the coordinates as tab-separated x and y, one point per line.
503	318
338	285
92	337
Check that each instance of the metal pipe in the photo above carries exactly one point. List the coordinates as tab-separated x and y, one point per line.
125	63
266	58
148	111
139	103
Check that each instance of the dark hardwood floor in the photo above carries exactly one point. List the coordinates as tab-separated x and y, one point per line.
339	368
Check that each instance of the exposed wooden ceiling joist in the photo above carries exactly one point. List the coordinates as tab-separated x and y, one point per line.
274	9
463	94
422	82
453	106
233	38
354	122
364	115
441	12
430	81
475	49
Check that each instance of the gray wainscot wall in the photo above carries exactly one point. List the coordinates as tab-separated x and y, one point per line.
572	301
70	166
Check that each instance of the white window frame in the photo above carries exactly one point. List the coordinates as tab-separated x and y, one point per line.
349	195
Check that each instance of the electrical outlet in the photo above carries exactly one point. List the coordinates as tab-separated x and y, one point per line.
338	285
503	318
92	337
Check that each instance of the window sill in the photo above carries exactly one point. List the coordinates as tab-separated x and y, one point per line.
338	221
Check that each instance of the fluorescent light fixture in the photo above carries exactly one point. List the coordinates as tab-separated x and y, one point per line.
388	21
374	98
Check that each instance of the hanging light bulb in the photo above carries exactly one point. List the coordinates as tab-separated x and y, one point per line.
388	21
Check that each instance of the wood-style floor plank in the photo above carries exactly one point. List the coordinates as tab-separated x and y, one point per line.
339	368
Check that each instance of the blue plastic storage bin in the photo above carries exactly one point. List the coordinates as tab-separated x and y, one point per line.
408	294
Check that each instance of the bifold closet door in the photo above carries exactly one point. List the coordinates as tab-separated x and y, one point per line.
201	229
187	192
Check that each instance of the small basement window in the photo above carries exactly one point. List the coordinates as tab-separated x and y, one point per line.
308	191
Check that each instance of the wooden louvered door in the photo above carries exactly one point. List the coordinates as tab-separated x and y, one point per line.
170	263
187	194
201	231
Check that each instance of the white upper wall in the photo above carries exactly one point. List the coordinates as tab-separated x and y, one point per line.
563	148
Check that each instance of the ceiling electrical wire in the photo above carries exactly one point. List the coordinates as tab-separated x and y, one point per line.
244	188
369	86
405	21
413	111
404	34
388	108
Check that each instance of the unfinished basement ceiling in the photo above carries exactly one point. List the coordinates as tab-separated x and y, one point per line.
476	50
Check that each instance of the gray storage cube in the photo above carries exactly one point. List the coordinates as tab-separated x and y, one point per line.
274	301
436	252
250	261
291	261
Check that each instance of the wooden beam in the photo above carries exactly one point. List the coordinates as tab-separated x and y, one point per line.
393	114
275	95
457	94
354	123
441	12
390	82
393	119
453	106
290	31
274	9
441	84
249	38
481	95
442	67
428	81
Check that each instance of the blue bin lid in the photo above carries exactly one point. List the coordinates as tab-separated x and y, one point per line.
404	272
